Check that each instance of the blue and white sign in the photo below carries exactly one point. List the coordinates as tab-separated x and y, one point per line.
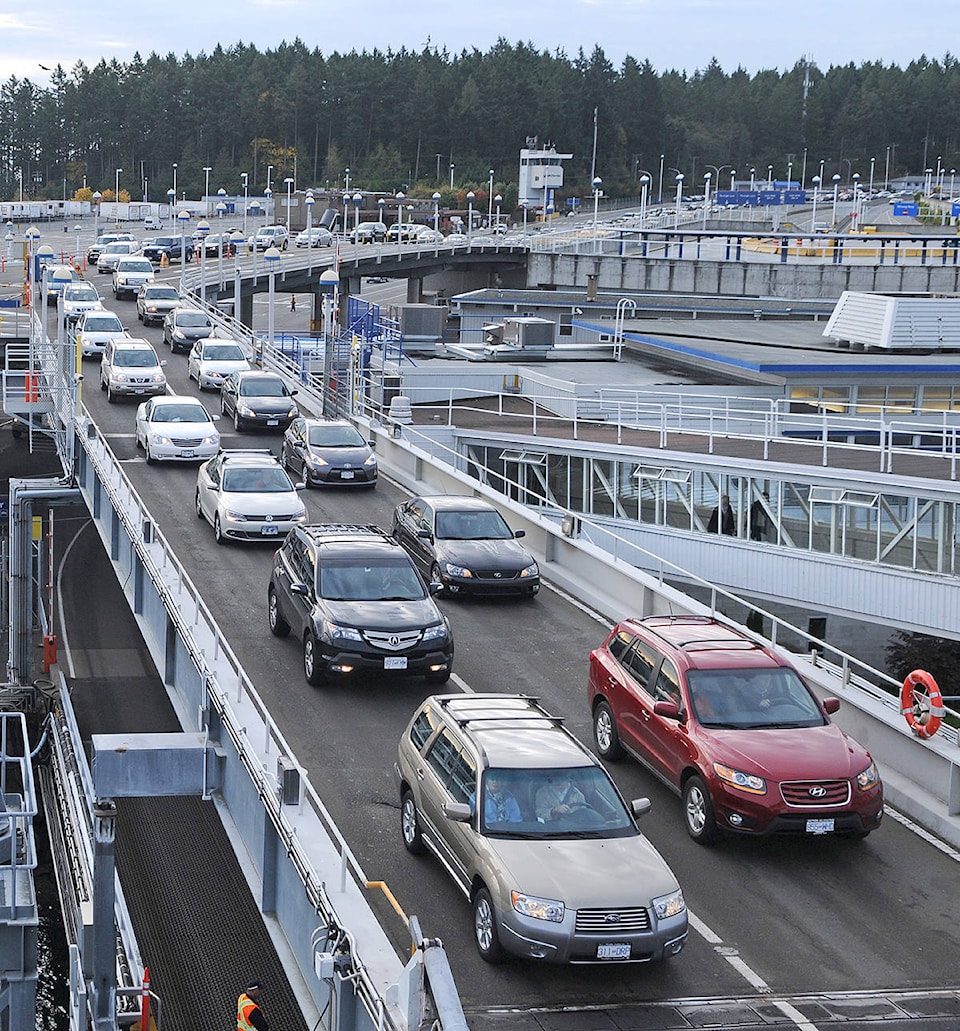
902	208
769	198
955	210
794	195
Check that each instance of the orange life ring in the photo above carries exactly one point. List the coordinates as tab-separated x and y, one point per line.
921	703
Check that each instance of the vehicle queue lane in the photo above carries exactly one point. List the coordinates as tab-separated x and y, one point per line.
809	915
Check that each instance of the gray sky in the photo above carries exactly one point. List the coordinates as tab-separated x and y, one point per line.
681	34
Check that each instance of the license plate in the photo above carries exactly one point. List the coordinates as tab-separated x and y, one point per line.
395	662
187	452
820	826
346	474
270	530
613	950
273	422
138	390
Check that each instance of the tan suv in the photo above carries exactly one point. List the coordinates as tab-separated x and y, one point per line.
535	834
130	368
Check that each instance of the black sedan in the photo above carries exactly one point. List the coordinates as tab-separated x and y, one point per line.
257	399
184	326
328	451
465	544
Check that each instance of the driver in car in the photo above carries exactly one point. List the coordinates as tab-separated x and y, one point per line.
557	798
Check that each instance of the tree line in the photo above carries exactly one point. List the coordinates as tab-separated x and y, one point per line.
401	119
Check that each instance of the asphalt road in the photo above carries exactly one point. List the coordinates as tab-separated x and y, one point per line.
811	916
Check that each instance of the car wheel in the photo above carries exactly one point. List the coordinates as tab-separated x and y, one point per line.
698	812
410	825
141	318
199	507
312	664
111	397
605	732
237	423
435	575
103	385
218	535
279	627
146	450
485	928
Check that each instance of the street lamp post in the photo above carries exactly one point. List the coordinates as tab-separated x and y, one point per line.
660	188
498	200
77	228
753	179
836	186
97	195
769	177
644	184
221	209
401	196
380	204
245	177
873	162
346	180
271	258
470	197
254	211
816	193
597	183
855	211
183	218
309	202
116	195
174	180
436	212
202	230
357	204
706	196
676	217
172	201
452	167
32	236
206	184
268	191
490	201
288	182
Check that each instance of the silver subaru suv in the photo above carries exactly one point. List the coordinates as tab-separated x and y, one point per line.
535	834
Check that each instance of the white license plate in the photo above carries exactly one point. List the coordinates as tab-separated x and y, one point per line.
273	422
187	452
820	826
346	474
395	662
138	390
270	530
613	950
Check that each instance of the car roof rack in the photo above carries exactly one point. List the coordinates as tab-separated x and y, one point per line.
246	452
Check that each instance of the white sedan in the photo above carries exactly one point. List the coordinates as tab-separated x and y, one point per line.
212	359
247	496
176	429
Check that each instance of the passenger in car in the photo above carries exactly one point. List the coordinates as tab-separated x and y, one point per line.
499	803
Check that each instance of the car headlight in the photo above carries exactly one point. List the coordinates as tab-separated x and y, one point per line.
212	439
178	333
742	781
157	377
245	411
531	570
335	632
538	909
434	633
120	377
371	461
293	412
316	461
669	905
451	570
237	517
159	438
869	778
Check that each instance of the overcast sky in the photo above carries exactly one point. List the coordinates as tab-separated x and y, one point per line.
672	34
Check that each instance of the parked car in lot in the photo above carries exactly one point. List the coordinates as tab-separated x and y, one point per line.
269	236
535	835
727	723
328	451
130	367
465	544
113	252
129	275
152	222
79	297
171	428
56	278
357	604
258	399
154	300
247	496
95	329
184	326
316	236
213	359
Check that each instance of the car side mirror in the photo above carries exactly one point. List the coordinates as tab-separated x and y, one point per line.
163	361
293	392
640	807
435	587
300	589
519	533
668	710
300	486
458	811
830	705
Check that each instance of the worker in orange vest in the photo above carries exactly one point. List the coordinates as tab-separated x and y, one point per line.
249	1015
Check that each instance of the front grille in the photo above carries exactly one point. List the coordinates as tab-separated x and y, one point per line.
610	921
393	642
495	574
816	794
186	441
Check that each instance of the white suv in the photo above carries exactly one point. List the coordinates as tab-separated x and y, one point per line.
130	368
130	274
270	236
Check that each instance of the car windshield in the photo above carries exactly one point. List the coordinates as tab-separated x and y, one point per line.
162	293
335	436
266	387
135	266
383	580
179	413
83	292
472	526
222	353
752	698
103	324
579	802
135	358
261	479
193	318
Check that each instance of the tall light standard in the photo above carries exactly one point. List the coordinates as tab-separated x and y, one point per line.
498	200
146	192
401	196
706	196
183	217
470	197
116	194
886	171
660	188
309	200
452	167
436	212
267	210
816	193
346	180
490	200
357	204
769	177
953	175
644	184
201	232
380	204
855	211
753	179
174	180
32	236
245	177
329	288
77	229
254	212
268	191
676	218
288	182
873	162
836	186
221	209
597	183
206	183
271	258
172	201
97	196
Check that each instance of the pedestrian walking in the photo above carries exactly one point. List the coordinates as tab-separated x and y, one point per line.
759	519
249	1015
723	518
293	302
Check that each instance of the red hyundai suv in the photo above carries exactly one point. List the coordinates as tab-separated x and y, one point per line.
730	726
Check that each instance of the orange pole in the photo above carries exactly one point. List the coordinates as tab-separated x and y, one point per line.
145	1001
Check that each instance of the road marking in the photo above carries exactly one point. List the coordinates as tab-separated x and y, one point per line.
921	832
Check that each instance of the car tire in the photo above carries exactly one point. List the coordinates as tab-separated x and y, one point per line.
436	577
197	505
237	421
485	933
218	534
410	825
698	812
103	385
312	668
111	397
146	452
279	627
605	732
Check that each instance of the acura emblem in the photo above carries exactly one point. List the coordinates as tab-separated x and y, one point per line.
394	641
612	918
818	791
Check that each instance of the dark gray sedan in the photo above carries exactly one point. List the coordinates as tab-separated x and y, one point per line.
465	544
328	451
183	327
257	400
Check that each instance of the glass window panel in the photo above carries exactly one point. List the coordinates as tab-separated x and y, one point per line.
870	399
901	399
937	399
